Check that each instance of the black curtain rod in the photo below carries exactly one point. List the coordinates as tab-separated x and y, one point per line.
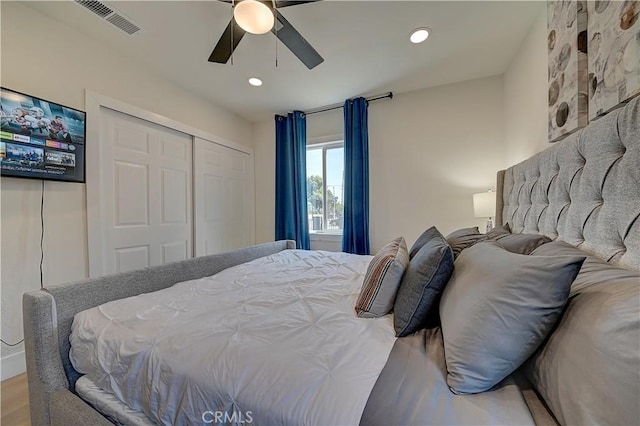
370	99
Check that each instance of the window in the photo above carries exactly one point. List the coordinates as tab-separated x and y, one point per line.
325	183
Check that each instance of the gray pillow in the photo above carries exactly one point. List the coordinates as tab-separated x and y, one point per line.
467	237
522	243
498	231
464	232
594	346
497	309
422	284
464	238
382	280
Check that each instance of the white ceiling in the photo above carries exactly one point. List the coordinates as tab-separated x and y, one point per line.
364	43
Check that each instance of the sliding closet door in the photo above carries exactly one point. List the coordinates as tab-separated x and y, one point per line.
145	193
223	198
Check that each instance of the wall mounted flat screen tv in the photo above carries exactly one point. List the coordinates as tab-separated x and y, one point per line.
41	139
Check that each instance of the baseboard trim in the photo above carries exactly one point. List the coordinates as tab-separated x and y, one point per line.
12	365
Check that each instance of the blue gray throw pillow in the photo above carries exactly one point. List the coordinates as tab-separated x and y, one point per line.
497	309
426	236
416	303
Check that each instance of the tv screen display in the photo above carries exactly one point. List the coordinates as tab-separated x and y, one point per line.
41	139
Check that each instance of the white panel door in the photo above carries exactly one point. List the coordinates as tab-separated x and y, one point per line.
145	193
223	198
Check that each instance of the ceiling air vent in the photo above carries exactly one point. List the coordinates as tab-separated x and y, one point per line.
110	15
123	23
96	7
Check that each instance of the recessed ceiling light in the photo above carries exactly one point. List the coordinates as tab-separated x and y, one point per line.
419	35
255	81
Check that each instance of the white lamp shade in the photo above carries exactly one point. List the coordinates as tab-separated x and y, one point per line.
484	204
253	16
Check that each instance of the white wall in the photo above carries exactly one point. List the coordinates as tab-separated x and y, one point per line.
264	148
429	151
525	96
29	67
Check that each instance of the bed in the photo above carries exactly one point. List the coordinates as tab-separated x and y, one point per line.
285	351
273	337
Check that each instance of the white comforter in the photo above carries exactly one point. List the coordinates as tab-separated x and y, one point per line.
273	341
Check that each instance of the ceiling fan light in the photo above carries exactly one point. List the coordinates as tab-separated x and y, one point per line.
253	16
419	35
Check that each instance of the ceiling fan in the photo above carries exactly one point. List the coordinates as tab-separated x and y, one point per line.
248	17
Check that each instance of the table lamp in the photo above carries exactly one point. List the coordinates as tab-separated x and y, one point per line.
484	205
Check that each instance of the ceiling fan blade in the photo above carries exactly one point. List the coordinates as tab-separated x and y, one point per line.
295	42
222	52
283	3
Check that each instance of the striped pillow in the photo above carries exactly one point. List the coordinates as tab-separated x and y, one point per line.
382	280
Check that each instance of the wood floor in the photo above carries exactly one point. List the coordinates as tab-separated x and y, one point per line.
15	402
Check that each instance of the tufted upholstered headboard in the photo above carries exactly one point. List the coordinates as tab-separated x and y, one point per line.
584	190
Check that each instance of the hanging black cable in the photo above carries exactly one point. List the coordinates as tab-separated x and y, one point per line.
275	29
41	233
41	254
233	27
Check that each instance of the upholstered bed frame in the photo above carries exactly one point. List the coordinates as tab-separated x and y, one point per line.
48	315
584	190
